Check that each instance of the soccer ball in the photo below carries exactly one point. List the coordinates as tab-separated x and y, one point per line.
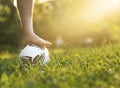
33	55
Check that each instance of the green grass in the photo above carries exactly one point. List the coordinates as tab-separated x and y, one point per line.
97	67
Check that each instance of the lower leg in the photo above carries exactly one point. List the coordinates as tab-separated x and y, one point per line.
25	8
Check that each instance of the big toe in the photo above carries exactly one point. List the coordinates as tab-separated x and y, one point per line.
48	43
45	43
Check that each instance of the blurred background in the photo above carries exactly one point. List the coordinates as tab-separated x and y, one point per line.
65	22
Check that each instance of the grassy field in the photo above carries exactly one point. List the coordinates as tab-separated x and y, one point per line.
73	67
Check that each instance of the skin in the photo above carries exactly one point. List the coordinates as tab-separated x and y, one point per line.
25	9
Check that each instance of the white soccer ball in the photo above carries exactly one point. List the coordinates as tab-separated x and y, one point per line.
34	55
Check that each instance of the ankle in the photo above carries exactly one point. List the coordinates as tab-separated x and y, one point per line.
28	31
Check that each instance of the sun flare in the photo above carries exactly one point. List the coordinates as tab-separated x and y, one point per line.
98	9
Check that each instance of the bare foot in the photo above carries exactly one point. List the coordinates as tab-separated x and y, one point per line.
32	38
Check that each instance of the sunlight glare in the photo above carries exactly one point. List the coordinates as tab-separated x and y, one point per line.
98	9
15	3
